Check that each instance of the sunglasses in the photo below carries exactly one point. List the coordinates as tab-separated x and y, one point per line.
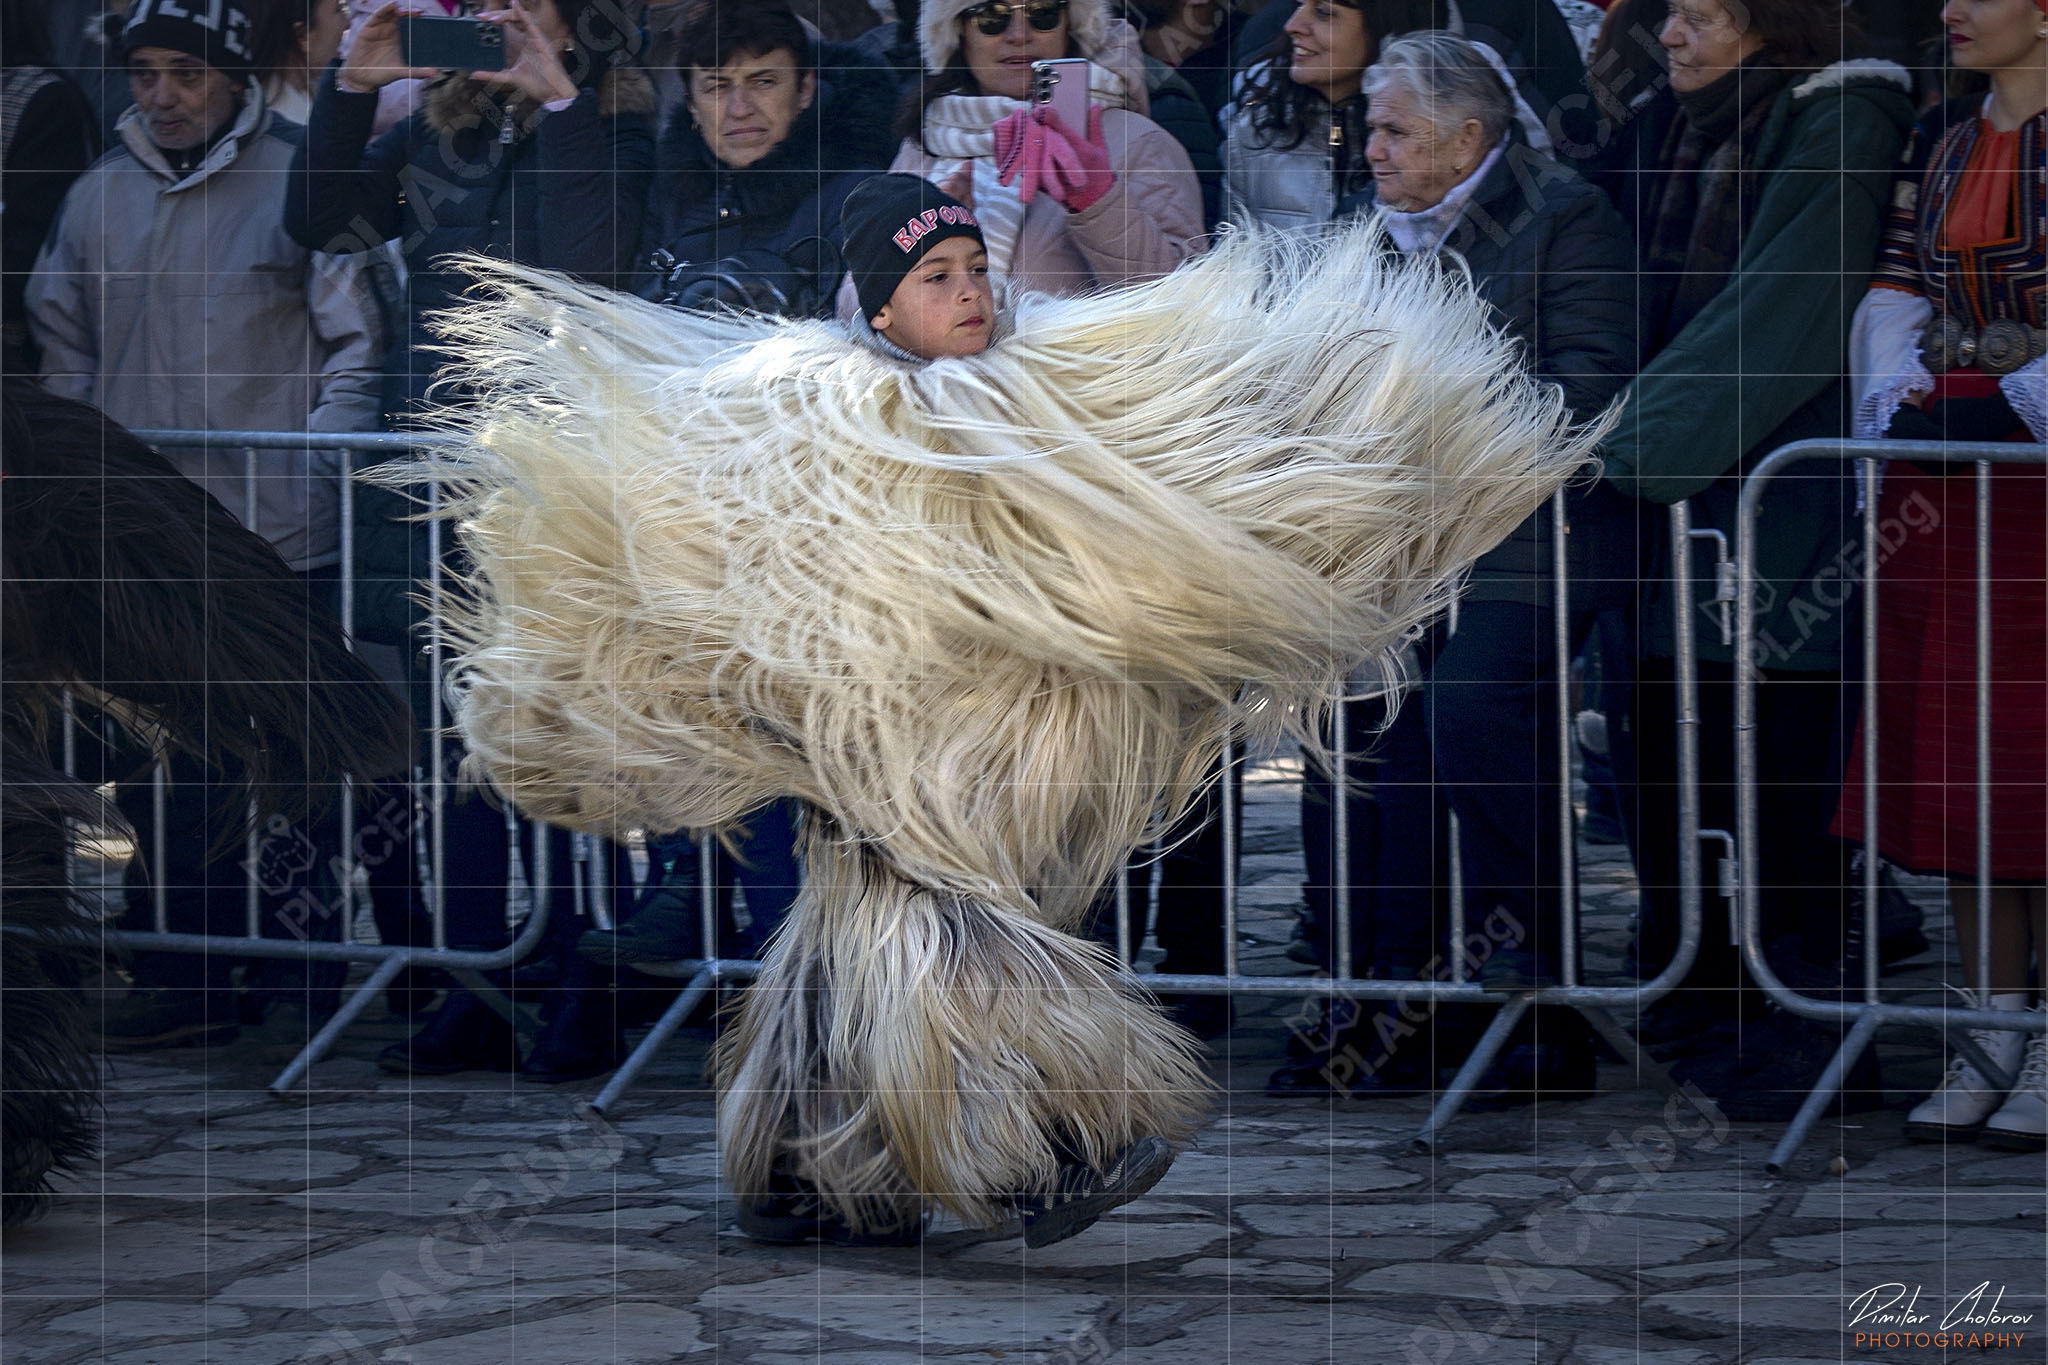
993	18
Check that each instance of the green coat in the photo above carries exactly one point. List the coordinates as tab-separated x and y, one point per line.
1762	366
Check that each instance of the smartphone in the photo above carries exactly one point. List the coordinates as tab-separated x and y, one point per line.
1063	84
451	44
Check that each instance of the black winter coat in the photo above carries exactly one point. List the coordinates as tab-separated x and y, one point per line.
1178	109
1548	253
54	140
780	215
563	191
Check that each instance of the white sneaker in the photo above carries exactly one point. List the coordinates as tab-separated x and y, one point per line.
1958	1110
2022	1123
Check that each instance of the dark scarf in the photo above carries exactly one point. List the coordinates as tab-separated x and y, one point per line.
1709	195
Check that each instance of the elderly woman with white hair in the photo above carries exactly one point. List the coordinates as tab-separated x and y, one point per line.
1065	210
1453	173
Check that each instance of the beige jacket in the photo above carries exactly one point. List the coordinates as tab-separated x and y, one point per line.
182	303
1148	223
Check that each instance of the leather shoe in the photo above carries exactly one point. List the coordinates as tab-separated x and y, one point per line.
1768	1079
582	1039
1205	1016
669	927
465	1034
1355	1065
1529	1072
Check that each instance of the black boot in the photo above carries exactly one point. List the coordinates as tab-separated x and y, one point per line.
411	993
1081	1194
581	1036
1377	1053
793	1211
668	927
465	1034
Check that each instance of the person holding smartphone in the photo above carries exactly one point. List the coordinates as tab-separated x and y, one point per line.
1068	204
545	162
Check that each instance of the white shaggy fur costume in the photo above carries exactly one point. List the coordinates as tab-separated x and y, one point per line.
990	619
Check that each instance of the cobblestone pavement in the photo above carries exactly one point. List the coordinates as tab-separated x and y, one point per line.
482	1220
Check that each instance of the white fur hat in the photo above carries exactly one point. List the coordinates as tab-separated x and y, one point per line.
938	28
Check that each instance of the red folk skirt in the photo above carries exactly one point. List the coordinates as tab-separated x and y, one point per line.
1927	676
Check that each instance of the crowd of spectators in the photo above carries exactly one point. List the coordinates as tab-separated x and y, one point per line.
1730	226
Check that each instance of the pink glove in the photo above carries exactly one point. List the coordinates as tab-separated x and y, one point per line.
1020	153
1079	166
1039	152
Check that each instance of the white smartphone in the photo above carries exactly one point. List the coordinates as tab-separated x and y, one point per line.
1063	84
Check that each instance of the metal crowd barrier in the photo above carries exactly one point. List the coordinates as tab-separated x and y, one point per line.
387	960
702	976
1866	1016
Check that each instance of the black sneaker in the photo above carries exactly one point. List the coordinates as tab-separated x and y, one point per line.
801	1215
1082	1194
1529	1072
465	1034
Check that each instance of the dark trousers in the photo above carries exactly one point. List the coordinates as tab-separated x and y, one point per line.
477	865
1399	844
764	861
1479	737
1186	914
1802	869
1491	702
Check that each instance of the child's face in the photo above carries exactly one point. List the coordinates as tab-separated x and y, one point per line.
945	307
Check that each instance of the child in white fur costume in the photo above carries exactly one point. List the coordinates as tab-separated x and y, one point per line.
991	618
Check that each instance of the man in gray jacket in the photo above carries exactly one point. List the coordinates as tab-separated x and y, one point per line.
169	295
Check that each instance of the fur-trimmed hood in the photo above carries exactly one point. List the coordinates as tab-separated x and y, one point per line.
454	103
938	29
1856	71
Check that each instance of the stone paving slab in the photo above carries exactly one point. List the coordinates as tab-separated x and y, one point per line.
477	1221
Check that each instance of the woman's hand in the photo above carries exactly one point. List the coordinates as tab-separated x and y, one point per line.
960	184
1080	171
376	57
532	66
1038	151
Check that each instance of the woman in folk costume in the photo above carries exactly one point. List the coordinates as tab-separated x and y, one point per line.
990	617
1948	345
1125	204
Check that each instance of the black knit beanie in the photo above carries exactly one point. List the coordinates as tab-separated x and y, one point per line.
889	224
190	27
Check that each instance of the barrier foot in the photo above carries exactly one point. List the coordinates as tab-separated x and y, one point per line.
316	1047
1824	1092
489	992
1460	1089
1632	1055
671	1019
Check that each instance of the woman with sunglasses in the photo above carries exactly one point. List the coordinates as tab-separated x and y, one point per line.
1064	209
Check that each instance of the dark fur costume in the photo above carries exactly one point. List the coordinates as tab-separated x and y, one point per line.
125	583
